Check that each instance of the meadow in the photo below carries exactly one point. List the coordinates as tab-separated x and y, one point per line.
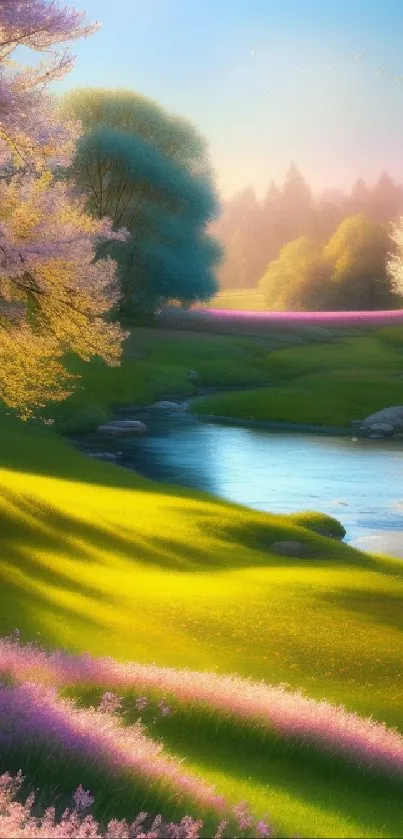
275	680
302	373
344	381
244	300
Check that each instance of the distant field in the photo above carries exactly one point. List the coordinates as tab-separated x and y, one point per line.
251	300
245	300
323	319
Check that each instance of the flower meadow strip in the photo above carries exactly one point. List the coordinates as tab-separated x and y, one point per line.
291	714
17	820
236	321
381	318
32	715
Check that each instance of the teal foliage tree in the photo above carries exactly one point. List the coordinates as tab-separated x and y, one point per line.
149	172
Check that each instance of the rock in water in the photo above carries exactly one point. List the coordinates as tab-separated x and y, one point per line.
120	428
384	423
382	429
166	406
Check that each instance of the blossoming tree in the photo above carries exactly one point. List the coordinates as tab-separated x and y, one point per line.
53	294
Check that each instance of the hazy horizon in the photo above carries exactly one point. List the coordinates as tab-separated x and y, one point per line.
265	82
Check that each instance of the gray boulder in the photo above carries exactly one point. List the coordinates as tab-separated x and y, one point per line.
381	429
119	428
289	549
388	416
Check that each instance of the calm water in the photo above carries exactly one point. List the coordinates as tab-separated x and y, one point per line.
359	483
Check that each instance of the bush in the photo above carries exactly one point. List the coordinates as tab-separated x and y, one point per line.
84	420
392	335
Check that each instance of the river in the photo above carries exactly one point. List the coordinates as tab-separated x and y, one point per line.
360	483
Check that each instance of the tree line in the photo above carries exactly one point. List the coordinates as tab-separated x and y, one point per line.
253	233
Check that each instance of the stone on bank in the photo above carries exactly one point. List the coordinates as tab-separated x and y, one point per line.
120	428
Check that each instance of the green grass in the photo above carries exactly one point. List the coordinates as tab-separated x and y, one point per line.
244	300
155	364
333	385
329	383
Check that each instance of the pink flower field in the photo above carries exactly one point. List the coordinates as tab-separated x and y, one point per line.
236	321
336	319
33	714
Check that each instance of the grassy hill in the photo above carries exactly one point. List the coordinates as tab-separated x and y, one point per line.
95	558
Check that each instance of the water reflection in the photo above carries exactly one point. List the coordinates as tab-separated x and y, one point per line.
359	483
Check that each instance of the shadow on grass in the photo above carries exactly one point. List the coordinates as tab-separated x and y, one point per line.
309	774
30	528
384	608
24	608
242	750
57	771
258	536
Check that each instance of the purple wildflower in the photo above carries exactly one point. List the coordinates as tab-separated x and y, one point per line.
82	799
263	829
110	703
221	829
165	709
17	820
243	816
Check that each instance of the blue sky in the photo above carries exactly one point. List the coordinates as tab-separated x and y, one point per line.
303	94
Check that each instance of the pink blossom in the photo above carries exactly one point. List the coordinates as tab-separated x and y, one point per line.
110	704
27	116
82	799
48	242
221	829
17	820
349	318
293	714
30	713
263	828
243	815
165	709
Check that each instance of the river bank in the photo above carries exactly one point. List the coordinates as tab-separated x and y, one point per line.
247	388
279	470
293	427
